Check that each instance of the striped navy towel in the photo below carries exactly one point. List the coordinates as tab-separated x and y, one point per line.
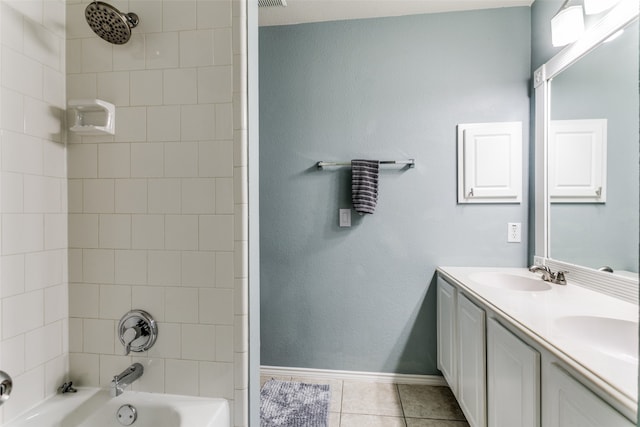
364	185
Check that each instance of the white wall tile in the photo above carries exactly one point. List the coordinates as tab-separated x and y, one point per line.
216	306
215	159
199	196
131	195
147	231
11	27
224	121
13	357
152	12
162	50
224	343
114	87
54	17
215	84
84	300
56	303
22	313
75	335
224	196
41	120
83	230
181	159
222	46
97	55
178	15
149	299
224	270
131	267
53	90
98	336
164	196
115	231
98	265
12	192
42	269
85	369
146	87
73	61
115	301
21	153
198	268
163	123
216	232
21	73
114	160
153	379
29	394
132	55
214	14
216	380
82	86
131	124
196	122
181	377
75	265
181	232
55	231
56	373
180	86
181	305
168	344
98	196
12	275
198	342
55	160
12	107
76	25
43	344
164	268
82	160
196	48
147	160
22	233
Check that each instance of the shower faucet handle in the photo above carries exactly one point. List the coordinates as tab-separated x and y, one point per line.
137	331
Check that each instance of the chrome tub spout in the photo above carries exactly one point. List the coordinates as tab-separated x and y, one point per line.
126	378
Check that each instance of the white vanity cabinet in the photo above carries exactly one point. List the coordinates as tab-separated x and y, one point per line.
461	351
568	403
513	377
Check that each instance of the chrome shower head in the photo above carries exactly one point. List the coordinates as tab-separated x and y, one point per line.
109	23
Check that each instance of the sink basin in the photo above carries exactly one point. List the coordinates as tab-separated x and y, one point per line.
615	337
508	281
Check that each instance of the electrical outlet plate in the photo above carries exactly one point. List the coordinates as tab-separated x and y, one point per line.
345	217
514	233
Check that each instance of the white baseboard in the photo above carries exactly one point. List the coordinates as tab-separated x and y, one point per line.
278	371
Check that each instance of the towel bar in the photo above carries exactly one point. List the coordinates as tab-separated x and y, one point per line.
411	163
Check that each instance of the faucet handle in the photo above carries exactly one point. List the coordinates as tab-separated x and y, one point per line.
560	279
129	336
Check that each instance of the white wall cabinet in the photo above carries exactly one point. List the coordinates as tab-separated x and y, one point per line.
471	362
447	333
490	162
513	377
567	403
578	161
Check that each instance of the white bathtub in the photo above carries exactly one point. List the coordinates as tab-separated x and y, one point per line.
93	407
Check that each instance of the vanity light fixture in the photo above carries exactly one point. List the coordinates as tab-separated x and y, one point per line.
568	24
593	7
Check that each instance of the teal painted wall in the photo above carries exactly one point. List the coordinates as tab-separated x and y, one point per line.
363	298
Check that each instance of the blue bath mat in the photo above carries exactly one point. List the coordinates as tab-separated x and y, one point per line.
294	404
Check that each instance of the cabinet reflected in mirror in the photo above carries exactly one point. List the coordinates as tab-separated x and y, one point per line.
594	160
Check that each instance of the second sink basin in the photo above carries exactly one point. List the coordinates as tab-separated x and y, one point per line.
615	337
508	281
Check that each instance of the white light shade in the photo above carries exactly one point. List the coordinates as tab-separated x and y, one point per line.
592	7
567	25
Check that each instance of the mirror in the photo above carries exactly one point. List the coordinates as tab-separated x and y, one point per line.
593	169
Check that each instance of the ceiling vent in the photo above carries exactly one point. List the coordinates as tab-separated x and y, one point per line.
272	3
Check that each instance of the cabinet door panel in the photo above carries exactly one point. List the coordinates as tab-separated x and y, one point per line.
567	403
446	333
471	362
513	372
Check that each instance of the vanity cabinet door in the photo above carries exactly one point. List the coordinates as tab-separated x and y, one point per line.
513	375
471	362
567	403
447	333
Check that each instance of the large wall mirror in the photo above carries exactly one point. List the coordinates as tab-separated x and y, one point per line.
587	157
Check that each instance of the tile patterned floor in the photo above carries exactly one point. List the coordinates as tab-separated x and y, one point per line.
370	404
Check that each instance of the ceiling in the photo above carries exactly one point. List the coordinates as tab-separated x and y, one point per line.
301	11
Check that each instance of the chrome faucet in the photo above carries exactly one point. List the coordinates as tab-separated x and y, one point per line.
549	276
126	378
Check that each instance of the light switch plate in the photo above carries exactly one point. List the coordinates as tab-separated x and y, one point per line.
345	217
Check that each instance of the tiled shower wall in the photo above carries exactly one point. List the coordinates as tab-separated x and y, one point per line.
156	212
33	202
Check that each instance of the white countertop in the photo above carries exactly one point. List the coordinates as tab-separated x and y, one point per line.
540	315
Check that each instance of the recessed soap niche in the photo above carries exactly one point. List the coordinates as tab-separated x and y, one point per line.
93	117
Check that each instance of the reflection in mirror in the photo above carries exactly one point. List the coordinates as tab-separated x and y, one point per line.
593	158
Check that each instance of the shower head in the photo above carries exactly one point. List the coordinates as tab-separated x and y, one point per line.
109	23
